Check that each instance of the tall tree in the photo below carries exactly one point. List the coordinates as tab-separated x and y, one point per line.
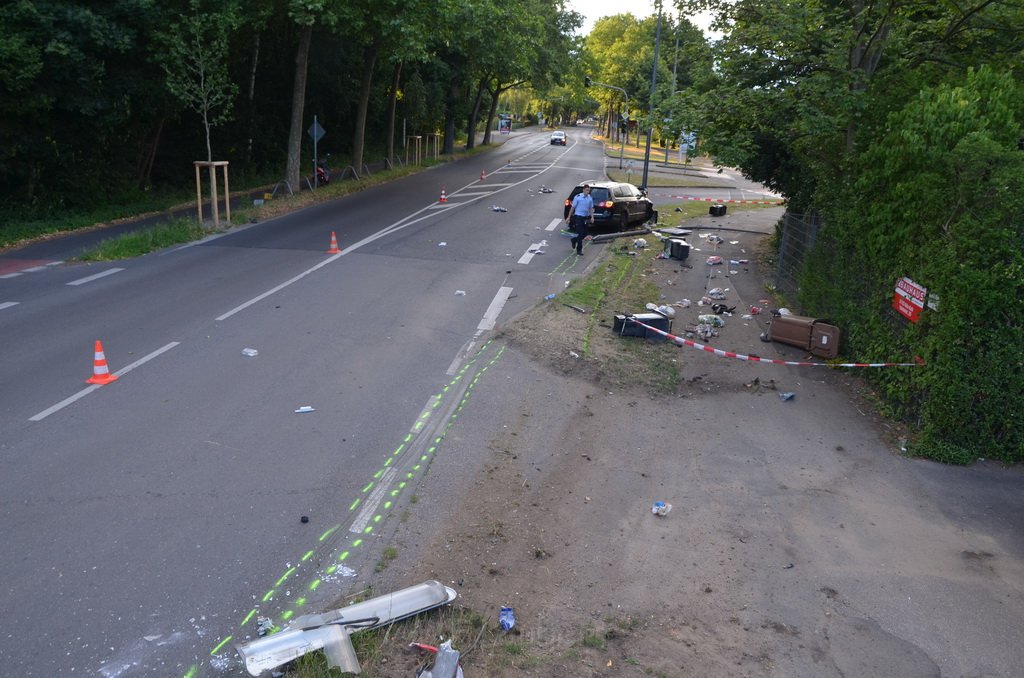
195	63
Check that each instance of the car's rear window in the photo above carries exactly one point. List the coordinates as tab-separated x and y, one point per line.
599	194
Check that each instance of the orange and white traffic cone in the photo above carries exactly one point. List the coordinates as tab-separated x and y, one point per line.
444	196
483	175
100	372
334	244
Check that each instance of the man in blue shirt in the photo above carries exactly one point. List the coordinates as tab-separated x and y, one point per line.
581	216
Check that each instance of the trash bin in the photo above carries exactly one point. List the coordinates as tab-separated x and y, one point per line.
677	248
624	328
810	334
717	210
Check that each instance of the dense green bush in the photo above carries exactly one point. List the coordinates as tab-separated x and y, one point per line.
940	199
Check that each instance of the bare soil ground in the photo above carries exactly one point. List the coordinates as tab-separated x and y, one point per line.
799	542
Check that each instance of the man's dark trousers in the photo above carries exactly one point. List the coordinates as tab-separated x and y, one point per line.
581	224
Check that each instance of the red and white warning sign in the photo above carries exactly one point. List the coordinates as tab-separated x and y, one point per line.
909	299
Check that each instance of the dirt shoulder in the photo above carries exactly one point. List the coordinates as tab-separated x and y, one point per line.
799	543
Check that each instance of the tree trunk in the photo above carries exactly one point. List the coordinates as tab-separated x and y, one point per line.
474	115
449	118
145	169
491	113
358	139
298	106
392	103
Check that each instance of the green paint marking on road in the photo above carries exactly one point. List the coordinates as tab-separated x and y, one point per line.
357	542
395	493
315	584
354	504
344	555
269	594
248	617
387	504
416	467
284	577
220	645
399	449
410	476
367	488
331	569
309	554
329	532
378	474
418	426
377	518
402	485
288	614
191	673
424	457
388	461
368	530
408	437
299	602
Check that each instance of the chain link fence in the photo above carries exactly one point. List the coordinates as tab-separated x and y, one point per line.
798	235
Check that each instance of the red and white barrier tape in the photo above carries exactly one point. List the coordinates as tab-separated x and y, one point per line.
728	200
679	341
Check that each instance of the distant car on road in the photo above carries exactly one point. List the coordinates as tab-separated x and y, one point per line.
558	138
616	204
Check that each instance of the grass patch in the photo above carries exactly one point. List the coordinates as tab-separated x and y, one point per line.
388	555
593	640
137	243
486	650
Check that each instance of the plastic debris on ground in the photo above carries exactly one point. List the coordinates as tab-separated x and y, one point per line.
713	320
716	239
264	625
250	352
660	508
685	303
722	309
446	663
704	331
754	310
714	260
549	297
545	189
639	244
507	618
716	293
442	244
495	208
460	293
663	309
304	409
788	395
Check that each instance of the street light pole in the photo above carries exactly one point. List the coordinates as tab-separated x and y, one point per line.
654	80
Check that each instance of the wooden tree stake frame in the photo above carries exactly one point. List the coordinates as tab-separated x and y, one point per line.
214	207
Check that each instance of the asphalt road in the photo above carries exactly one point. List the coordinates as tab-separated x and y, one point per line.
147	523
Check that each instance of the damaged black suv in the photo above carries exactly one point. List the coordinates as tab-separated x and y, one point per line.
616	204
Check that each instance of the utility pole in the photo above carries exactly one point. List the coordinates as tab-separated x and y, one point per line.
654	80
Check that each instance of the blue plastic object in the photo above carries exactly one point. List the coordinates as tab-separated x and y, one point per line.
507	618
